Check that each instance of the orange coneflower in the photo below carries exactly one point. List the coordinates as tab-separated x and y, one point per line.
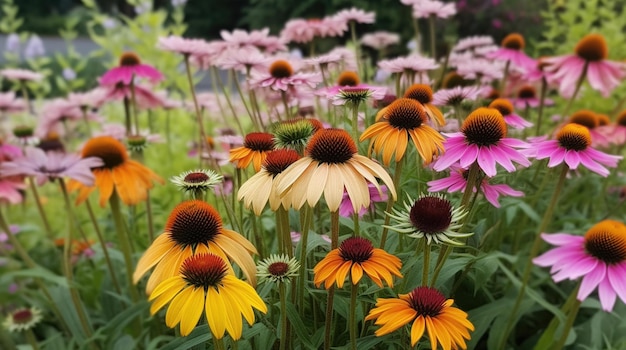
330	165
423	94
430	312
403	119
355	256
255	147
194	227
130	179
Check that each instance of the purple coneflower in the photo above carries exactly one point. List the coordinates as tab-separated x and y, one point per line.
130	66
506	109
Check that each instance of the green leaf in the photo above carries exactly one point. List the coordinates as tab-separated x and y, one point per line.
200	335
298	326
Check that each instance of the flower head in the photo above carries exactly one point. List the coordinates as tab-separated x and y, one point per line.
431	217
380	39
255	147
572	145
197	180
277	269
510	117
330	165
22	319
427	8
293	134
512	51
456	95
482	139
20	74
423	94
205	284
429	311
346	209
354	257
193	227
11	104
402	120
130	66
53	165
599	257
281	77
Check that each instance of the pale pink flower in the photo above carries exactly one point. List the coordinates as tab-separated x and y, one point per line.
456	95
296	236
259	39
484	70
427	8
21	74
414	63
59	111
10	104
93	98
356	15
52	165
597	258
346	209
380	39
305	30
281	77
517	58
180	45
208	54
130	66
244	59
472	42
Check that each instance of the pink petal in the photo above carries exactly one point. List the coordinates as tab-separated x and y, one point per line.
617	278
572	159
591	281
486	161
560	239
607	295
557	157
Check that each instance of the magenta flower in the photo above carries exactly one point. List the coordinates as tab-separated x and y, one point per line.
589	58
457	182
483	140
144	95
281	77
53	165
130	66
9	151
512	51
10	189
346	209
572	145
599	257
510	118
527	97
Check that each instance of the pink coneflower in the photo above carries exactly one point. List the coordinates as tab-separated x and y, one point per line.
598	257
259	39
349	81
472	42
617	134
144	96
457	182
53	165
456	95
11	189
512	50
208	54
484	71
380	39
303	31
9	151
412	63
591	120
130	66
281	77
572	145
427	8
21	74
93	98
527	97
589	59
60	111
10	104
483	140
376	196
180	45
244	59
506	109
356	15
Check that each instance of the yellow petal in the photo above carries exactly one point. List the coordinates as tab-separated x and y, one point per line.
153	255
215	313
193	307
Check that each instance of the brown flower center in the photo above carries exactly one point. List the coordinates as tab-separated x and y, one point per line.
279	160
603	119
278	269
585	117
203	270
504	106
420	92
527	92
281	69
574	137
259	141
484	127
331	146
426	301
431	214
356	249
406	113
348	79
196	177
452	80
129	59
111	151
513	41
193	222
606	241
22	316
621	118
592	47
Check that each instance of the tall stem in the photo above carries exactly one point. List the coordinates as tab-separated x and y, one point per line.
542	101
334	243
354	288
282	292
133	100
124	242
426	263
547	218
105	250
201	134
307	213
357	53
579	83
569	322
42	212
355	122
433	47
507	66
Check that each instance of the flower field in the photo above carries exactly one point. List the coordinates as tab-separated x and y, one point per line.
335	188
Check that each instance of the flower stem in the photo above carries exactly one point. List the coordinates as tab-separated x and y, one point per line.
124	242
282	291
396	182
507	66
569	322
86	120
243	100
542	102
127	117
426	263
218	343
201	134
284	233
417	35
283	96
307	213
30	338
42	213
549	332
433	47
356	47
25	96
354	288
472	178
355	122
133	100
228	101
334	243
105	250
579	83
547	218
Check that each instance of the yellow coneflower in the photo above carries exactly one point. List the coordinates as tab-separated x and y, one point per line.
429	312
194	227
403	119
331	165
261	187
423	94
255	147
354	257
130	179
204	284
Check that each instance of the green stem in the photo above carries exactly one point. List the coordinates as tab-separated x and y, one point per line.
282	291
417	35
25	97
547	218
243	100
396	182
334	243
202	142
42	212
127	117
283	96
227	97
542	101
86	120
569	322
307	212
105	250
149	217
355	122
433	47
579	83
354	288
472	177
548	333
124	242
218	343
507	66
133	100
30	338
426	263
